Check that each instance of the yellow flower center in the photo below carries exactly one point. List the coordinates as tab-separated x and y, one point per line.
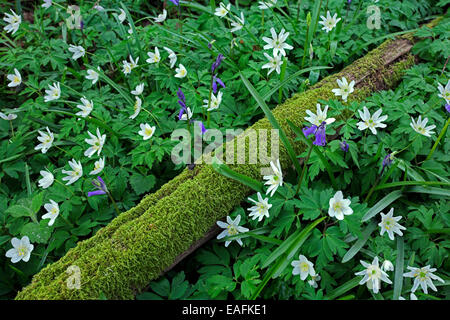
148	131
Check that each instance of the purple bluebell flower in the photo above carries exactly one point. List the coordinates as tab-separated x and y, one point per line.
175	2
320	135
202	126
81	24
349	1
387	161
210	45
180	115
181	102
216	80
344	146
100	185
217	63
447	107
180	95
307	131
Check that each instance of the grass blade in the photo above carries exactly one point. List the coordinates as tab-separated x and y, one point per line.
398	276
380	205
429	190
360	242
224	170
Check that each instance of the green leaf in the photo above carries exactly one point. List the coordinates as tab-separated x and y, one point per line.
142	184
398	277
38	233
36	202
380	205
360	242
19	211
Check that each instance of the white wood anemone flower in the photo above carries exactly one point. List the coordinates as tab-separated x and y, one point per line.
21	250
13	22
16	78
420	126
278	42
344	89
313	281
154	57
260	209
53	93
47	4
146	131
390	224
231	228
238	24
215	101
122	16
47	179
137	107
161	17
387	266
274	63
319	117
423	277
86	107
329	22
187	115
373	275
78	51
74	174
444	92
92	75
45	139
275	180
52	212
8	117
172	57
139	89
263	5
181	71
303	267
222	10
339	207
98	166
371	122
96	143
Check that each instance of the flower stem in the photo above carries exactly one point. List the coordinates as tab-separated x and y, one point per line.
304	169
12	128
438	139
73	194
114	203
56	146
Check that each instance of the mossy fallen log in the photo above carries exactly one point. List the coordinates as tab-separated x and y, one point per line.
136	247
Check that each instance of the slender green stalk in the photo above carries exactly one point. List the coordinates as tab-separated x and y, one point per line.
12	128
114	203
68	153
438	139
304	169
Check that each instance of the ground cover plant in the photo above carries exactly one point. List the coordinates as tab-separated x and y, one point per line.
93	91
